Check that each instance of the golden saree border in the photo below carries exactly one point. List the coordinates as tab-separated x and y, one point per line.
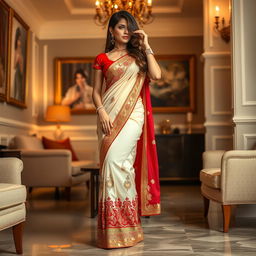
115	71
122	117
146	208
119	237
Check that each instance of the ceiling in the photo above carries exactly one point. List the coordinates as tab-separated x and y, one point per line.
53	10
70	19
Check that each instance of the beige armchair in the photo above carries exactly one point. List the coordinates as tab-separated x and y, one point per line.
49	167
12	198
228	178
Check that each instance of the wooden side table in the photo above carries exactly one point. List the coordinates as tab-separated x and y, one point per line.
94	188
10	153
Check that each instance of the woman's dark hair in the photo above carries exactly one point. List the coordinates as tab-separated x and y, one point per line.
81	72
17	36
134	47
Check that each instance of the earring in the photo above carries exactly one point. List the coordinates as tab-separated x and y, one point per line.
112	39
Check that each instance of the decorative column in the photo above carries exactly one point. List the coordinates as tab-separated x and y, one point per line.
217	79
244	73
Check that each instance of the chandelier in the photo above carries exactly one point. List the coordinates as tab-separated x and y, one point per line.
140	9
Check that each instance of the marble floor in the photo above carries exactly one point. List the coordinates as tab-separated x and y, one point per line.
59	227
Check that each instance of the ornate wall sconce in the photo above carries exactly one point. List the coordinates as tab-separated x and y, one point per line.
223	30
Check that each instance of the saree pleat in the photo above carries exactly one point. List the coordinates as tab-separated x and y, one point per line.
119	222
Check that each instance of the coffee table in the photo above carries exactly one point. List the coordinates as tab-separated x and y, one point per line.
94	171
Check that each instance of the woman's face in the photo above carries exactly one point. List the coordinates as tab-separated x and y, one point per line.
80	80
120	32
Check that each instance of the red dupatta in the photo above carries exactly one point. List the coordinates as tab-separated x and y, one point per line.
146	162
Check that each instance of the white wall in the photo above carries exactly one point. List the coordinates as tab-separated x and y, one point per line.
244	63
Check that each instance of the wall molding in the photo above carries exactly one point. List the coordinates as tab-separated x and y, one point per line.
213	68
44	128
35	72
16	124
247	137
245	102
75	29
215	138
215	55
244	119
84	138
216	124
91	11
45	77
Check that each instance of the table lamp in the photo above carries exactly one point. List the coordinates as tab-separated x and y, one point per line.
57	114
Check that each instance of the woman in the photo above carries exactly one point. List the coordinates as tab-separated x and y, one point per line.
79	96
129	184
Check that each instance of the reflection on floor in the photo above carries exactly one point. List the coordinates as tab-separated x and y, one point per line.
64	228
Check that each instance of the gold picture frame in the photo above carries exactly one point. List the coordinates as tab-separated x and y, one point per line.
4	49
73	84
18	61
175	91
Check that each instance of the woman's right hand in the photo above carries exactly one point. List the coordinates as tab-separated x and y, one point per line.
105	121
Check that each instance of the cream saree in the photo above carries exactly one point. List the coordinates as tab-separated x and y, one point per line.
127	187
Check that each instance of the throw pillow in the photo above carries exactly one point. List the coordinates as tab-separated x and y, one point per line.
59	144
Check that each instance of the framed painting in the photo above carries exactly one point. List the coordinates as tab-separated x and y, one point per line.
73	84
175	91
17	85
4	48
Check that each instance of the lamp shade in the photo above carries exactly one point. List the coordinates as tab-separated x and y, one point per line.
57	113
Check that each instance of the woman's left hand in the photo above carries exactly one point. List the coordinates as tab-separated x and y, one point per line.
145	36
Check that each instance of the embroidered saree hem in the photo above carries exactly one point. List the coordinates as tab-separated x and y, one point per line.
120	237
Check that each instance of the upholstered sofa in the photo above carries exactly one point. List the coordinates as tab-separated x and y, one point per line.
228	177
12	198
49	167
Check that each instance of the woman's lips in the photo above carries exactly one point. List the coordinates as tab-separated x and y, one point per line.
125	37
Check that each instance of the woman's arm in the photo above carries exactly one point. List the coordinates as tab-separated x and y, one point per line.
154	71
96	93
96	96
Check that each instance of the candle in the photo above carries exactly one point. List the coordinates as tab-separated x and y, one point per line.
149	2
217	11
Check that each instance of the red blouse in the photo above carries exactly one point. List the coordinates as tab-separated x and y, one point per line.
102	62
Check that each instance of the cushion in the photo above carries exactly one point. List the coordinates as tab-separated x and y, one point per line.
210	177
12	194
76	166
59	144
27	142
